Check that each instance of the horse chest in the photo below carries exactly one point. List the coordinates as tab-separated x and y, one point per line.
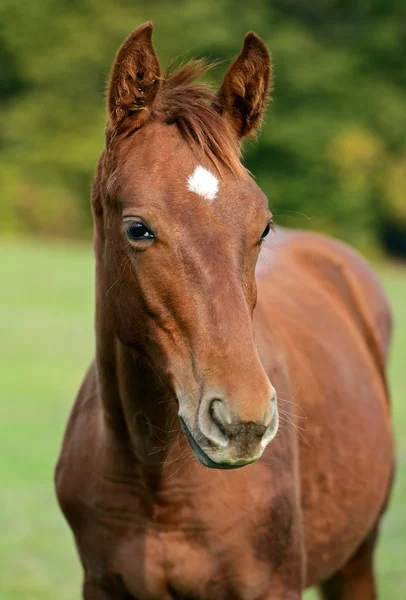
192	564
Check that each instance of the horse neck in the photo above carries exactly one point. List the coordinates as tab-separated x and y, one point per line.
140	411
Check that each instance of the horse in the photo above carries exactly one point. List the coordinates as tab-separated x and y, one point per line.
232	438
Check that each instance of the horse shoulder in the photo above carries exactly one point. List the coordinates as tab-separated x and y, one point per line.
334	266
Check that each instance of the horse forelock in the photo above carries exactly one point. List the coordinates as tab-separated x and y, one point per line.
195	108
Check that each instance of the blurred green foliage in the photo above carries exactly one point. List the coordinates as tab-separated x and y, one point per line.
332	153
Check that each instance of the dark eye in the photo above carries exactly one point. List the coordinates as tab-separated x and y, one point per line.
136	230
267	230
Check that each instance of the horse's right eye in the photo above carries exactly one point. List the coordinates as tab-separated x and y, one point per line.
138	231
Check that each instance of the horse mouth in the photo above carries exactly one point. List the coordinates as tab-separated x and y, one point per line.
205	459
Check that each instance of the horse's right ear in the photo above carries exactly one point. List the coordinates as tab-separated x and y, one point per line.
135	78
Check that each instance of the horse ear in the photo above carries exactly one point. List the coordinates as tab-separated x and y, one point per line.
244	92
135	78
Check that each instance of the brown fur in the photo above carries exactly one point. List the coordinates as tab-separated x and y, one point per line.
185	323
246	86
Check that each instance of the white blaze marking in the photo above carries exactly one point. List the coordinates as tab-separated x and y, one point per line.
204	183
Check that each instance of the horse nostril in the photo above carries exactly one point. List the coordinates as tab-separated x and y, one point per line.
215	418
270	410
212	422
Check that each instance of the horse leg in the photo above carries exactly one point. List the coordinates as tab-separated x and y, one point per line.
355	581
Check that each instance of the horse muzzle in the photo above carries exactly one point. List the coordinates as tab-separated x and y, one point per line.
220	441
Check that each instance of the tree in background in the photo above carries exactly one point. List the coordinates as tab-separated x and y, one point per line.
331	155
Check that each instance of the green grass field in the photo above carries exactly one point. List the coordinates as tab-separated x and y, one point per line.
46	342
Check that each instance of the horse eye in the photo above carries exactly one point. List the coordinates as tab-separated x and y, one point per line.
136	231
267	230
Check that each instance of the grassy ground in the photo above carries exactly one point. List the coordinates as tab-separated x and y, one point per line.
46	341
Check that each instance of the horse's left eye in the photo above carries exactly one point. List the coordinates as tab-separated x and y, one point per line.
267	230
136	230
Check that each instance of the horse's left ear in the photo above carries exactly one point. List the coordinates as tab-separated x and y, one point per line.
246	85
135	78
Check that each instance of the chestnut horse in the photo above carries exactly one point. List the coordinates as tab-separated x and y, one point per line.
193	349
